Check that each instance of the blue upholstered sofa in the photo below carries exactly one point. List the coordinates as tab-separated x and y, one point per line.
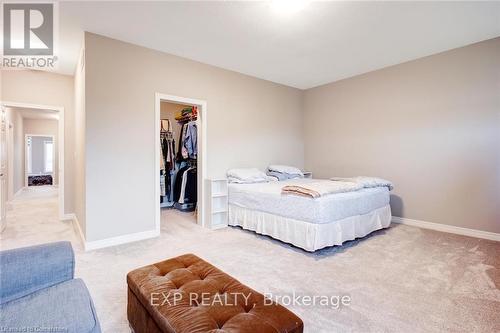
39	294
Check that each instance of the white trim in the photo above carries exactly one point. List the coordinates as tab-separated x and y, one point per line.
61	146
448	228
18	192
10	161
202	155
70	216
76	225
107	242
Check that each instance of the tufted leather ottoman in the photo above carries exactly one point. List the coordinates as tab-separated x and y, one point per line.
187	294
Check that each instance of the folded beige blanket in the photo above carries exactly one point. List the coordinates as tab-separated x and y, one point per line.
320	188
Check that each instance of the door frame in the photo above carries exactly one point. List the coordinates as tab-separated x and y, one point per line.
4	197
60	134
26	155
201	123
10	161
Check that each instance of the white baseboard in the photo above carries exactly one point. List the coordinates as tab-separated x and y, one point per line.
99	244
448	228
66	217
107	242
18	192
76	225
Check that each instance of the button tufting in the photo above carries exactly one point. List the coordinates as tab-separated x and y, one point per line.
234	310
247	310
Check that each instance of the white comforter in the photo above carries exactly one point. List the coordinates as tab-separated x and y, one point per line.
267	197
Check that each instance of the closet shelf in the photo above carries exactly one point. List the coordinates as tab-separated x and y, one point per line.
218	195
185	118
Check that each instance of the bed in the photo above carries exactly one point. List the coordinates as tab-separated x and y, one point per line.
307	223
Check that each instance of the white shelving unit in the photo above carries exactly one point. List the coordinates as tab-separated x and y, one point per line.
217	203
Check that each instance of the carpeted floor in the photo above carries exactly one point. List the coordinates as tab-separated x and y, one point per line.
402	279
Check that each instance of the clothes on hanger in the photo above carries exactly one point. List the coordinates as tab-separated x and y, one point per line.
185	188
191	139
167	160
188	141
162	160
184	151
163	188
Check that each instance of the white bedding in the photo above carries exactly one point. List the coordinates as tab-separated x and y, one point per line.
267	198
310	236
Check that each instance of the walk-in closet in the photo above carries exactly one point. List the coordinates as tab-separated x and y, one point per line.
178	158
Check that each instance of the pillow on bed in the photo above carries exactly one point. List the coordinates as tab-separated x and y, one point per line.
289	170
232	180
246	176
281	176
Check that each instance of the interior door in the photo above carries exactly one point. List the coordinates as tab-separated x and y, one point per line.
3	171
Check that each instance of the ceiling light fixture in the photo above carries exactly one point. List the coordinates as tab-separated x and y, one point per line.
288	7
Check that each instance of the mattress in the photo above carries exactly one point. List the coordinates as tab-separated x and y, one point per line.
267	198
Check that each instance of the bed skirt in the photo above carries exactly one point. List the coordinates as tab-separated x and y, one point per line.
306	235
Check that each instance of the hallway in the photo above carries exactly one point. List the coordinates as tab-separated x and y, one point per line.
32	218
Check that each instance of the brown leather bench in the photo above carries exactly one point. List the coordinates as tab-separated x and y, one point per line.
187	294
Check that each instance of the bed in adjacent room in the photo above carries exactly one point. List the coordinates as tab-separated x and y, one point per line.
306	222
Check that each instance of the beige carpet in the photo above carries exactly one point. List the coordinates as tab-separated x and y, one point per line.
403	279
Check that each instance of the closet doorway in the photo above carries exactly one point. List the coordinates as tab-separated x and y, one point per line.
180	156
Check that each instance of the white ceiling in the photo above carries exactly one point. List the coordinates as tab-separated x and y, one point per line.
323	42
27	113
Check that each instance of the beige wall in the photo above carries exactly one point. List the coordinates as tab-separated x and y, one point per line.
251	123
432	126
45	127
36	87
79	146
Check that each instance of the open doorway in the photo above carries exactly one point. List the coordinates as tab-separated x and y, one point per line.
33	147
180	156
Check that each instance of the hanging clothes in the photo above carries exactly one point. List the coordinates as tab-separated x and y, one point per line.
168	152
188	141
184	151
185	188
191	139
163	187
178	183
191	187
181	144
167	160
